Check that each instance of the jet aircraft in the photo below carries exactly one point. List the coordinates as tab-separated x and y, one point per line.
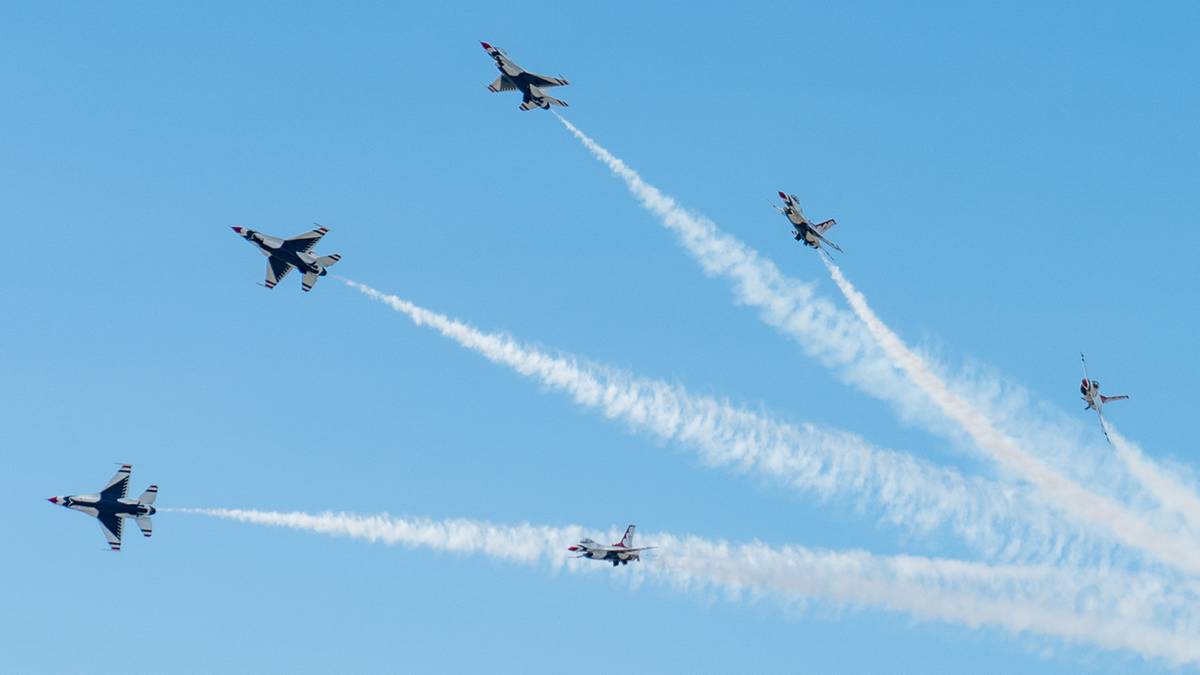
514	78
1090	389
805	231
619	553
111	507
284	254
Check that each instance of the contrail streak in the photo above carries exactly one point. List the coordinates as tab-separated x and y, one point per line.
838	340
1122	612
1097	509
1000	520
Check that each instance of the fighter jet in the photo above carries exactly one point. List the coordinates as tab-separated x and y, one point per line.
619	553
284	254
514	77
111	507
804	230
1090	389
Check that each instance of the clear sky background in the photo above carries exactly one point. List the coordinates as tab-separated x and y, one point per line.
1012	185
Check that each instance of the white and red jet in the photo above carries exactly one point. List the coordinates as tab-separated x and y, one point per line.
1090	390
619	553
804	229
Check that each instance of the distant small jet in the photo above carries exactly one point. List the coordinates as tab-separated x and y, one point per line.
111	506
619	553
1090	389
805	231
284	254
514	78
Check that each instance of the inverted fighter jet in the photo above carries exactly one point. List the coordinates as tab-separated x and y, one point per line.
619	553
284	254
812	235
111	507
1090	390
514	78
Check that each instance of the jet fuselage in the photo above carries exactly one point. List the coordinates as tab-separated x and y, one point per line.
802	230
93	505
273	247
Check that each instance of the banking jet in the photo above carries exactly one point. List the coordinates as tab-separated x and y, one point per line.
284	254
619	553
111	507
1090	390
805	231
515	78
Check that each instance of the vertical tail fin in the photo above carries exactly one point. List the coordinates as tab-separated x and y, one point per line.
627	540
149	495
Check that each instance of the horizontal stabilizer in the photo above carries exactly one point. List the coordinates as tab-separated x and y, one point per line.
329	260
145	525
149	495
309	280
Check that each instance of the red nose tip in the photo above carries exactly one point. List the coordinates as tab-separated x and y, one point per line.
569	548
783	196
53	500
237	229
486	46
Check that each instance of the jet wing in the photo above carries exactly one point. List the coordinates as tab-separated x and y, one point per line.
276	270
303	243
545	80
118	485
502	83
110	524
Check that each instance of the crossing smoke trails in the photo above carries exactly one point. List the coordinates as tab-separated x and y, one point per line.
792	307
1101	511
1000	520
1124	612
822	330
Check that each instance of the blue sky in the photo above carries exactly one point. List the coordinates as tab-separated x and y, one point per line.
1012	185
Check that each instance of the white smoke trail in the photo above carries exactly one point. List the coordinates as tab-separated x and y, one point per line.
1173	495
830	335
822	330
1111	612
1000	520
1099	510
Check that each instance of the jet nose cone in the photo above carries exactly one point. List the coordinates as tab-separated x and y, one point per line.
572	548
237	229
783	196
53	500
486	46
